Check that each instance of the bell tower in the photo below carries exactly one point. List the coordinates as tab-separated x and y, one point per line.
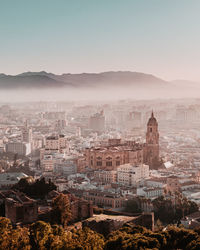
152	143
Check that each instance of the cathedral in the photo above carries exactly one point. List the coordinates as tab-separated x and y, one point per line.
117	152
151	147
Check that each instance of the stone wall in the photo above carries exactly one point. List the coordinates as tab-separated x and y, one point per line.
105	224
21	212
81	209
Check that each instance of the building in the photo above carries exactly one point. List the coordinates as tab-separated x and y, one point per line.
173	185
20	148
151	148
27	134
156	182
191	221
113	155
20	208
60	124
54	115
105	199
57	143
132	175
81	164
80	209
106	177
65	167
150	192
10	179
54	144
47	163
181	113
97	122
117	152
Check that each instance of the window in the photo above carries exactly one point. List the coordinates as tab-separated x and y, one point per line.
117	163
109	163
99	163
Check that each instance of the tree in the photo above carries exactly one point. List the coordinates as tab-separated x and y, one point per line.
37	189
13	238
132	207
88	239
167	212
61	212
40	233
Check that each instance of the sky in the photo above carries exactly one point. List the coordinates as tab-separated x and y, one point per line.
160	37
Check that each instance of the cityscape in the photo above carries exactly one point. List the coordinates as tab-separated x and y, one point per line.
99	125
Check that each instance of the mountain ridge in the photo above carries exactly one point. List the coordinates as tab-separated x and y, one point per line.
44	79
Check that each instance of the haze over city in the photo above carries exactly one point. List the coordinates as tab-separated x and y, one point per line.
99	124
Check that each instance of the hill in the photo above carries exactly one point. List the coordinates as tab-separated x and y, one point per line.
48	80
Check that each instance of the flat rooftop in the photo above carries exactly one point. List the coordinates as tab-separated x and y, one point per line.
101	217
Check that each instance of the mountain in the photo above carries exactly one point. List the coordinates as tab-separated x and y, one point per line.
26	81
111	78
48	80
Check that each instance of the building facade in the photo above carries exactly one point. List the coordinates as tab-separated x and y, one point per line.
20	148
106	177
112	156
56	143
132	175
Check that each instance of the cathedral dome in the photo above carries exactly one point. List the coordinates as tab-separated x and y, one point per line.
152	120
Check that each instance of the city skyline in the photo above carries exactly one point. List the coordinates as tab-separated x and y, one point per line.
159	38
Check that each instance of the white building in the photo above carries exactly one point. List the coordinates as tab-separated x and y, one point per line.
156	182
153	192
131	175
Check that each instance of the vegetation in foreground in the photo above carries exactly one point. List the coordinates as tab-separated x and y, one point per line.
42	235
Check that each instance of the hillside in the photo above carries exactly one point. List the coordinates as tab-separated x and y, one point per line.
48	80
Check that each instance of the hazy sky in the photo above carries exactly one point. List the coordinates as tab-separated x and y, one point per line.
161	37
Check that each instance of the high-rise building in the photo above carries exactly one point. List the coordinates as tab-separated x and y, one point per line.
20	148
27	134
97	122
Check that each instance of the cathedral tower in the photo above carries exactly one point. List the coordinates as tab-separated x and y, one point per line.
152	143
